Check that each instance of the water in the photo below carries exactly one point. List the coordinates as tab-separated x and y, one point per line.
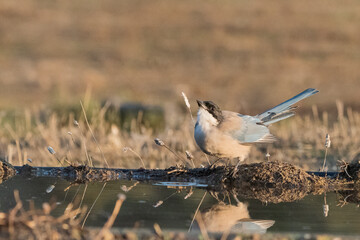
175	213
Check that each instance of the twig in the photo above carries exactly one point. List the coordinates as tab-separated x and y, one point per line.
344	167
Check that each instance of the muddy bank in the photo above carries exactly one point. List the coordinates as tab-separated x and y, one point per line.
267	181
280	182
6	171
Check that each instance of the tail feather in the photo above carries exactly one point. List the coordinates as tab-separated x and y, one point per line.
284	110
268	138
264	224
277	118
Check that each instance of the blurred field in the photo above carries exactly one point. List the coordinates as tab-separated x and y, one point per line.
245	55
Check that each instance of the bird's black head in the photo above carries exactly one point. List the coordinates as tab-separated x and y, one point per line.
212	108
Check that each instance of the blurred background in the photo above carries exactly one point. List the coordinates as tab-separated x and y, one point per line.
244	55
247	56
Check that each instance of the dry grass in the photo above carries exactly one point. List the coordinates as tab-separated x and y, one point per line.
39	224
301	141
20	223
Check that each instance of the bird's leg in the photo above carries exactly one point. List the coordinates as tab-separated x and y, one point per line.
236	199
228	162
215	163
235	170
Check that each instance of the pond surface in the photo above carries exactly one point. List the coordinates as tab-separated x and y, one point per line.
142	208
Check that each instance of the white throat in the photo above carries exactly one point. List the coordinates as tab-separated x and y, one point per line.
205	119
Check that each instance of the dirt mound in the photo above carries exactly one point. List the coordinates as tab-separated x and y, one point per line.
274	182
273	174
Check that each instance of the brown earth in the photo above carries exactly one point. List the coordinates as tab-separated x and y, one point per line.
267	181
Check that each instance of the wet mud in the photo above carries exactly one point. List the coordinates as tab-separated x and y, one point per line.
266	181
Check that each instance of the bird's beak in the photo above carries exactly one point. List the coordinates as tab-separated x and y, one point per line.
200	103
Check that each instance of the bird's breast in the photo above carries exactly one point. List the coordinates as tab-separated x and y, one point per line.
200	137
215	142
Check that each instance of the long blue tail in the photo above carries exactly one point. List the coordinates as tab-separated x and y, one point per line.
284	110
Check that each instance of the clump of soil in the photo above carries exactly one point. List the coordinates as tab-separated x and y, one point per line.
6	170
266	181
273	174
274	182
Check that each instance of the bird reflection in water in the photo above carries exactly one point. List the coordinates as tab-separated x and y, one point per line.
233	219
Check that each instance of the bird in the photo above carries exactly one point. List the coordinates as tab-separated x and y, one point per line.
230	135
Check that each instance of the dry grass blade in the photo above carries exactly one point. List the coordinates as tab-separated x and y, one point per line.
82	198
53	153
92	206
196	212
190	157
162	144
325	207
85	146
14	211
128	189
105	230
125	149
188	106
76	193
327	145
202	227
92	134
158	231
